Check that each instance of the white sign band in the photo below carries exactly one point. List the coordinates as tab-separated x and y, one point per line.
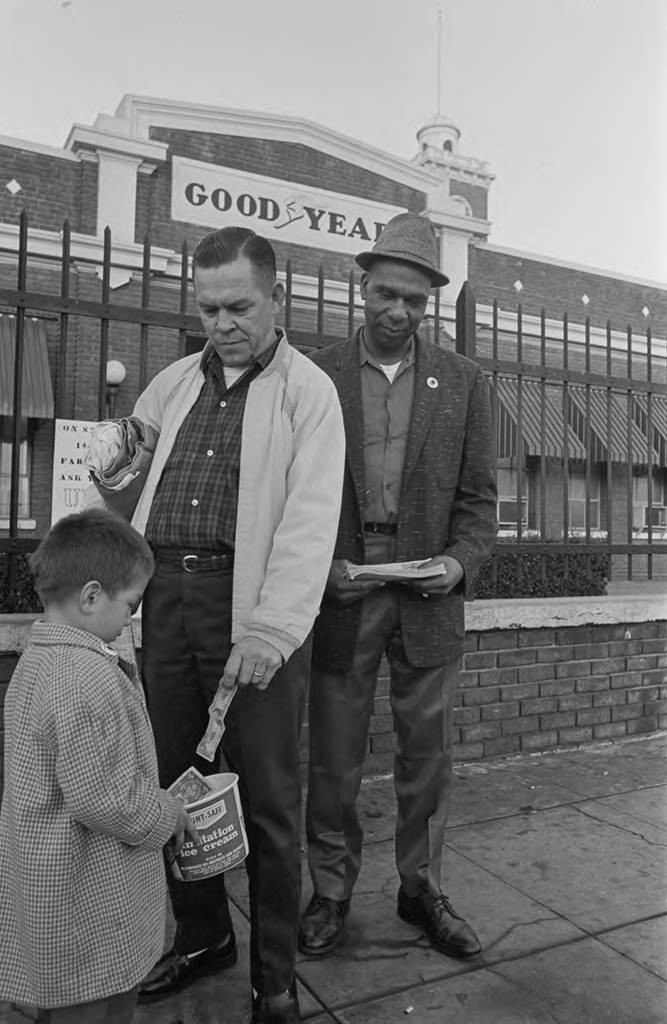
282	211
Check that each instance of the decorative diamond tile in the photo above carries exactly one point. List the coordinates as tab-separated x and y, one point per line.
645	311
585	299
13	186
518	286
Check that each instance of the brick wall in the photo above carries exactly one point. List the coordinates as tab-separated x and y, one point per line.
524	690
558	289
51	190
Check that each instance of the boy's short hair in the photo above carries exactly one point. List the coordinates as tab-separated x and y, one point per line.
91	545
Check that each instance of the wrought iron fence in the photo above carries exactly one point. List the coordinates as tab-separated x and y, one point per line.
581	411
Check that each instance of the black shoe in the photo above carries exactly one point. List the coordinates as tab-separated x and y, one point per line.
177	970
447	930
321	926
280	1009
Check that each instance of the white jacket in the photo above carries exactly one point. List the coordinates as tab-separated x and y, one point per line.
291	474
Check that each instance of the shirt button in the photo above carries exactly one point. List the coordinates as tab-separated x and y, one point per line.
194	503
210	451
223	405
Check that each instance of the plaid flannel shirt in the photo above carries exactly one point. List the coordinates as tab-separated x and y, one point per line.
195	503
82	826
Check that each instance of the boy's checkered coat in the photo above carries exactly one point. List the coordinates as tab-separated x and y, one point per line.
83	822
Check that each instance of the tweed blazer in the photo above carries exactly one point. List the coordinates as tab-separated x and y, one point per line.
447	501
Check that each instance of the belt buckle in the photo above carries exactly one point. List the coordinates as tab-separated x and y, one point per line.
187	559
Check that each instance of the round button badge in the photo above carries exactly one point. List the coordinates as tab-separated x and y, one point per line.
431	382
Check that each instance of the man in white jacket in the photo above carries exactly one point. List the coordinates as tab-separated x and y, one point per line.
241	508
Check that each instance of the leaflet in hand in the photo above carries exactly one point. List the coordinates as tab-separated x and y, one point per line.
395	571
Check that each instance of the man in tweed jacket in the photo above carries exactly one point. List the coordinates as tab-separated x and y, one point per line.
419	484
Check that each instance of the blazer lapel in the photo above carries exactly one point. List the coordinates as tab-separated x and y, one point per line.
348	385
425	396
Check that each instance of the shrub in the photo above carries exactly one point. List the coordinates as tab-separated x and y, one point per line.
581	580
20	596
543	574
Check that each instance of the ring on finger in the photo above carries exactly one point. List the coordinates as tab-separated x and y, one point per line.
257	674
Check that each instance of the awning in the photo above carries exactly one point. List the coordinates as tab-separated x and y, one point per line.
658	424
615	435
520	414
37	388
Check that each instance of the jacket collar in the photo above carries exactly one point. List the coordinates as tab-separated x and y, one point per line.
50	634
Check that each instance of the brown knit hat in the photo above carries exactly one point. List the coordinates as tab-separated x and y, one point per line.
411	239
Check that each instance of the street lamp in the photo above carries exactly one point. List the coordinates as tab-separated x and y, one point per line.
115	376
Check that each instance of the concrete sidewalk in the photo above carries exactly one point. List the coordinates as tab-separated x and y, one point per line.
558	859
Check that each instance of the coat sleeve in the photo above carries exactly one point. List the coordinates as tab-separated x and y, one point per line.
303	543
103	786
474	520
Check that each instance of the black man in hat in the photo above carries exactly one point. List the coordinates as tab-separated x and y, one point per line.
419	485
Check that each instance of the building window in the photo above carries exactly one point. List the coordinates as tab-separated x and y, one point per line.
577	501
512	509
653	511
5	479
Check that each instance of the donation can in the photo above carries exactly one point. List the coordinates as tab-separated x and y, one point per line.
218	819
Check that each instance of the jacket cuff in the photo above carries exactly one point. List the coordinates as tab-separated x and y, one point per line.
163	829
283	642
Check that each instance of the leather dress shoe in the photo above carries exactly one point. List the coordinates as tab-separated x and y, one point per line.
447	931
280	1009
175	971
321	926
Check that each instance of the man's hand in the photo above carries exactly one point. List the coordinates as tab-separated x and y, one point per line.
438	585
183	829
339	588
253	662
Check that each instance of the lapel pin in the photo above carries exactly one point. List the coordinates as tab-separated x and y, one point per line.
431	382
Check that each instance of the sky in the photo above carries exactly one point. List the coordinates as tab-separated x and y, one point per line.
565	99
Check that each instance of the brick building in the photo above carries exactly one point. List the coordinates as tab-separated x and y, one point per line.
588	455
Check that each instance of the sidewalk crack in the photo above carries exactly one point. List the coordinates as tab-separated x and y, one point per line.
622	828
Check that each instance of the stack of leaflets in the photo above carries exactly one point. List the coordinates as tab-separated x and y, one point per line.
395	571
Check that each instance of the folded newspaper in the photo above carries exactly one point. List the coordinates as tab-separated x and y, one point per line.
118	459
395	571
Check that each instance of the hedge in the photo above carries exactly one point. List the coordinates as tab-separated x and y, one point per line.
586	576
579	574
20	596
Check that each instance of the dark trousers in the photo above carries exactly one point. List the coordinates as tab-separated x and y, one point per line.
186	642
341	704
112	1010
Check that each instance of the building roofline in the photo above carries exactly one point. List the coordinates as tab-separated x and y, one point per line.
580	267
37	147
140	112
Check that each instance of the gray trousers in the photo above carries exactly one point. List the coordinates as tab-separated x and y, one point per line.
341	704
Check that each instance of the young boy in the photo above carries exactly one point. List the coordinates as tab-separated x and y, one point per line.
83	821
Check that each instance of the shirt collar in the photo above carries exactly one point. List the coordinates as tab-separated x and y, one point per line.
366	357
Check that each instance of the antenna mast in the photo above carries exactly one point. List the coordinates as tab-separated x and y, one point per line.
439	65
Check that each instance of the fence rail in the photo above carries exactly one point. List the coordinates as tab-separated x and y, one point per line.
581	409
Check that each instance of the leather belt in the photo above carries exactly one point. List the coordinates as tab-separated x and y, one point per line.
387	528
194	561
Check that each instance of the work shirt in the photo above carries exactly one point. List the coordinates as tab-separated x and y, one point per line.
387	406
196	501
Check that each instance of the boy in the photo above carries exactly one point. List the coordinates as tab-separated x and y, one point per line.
83	821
